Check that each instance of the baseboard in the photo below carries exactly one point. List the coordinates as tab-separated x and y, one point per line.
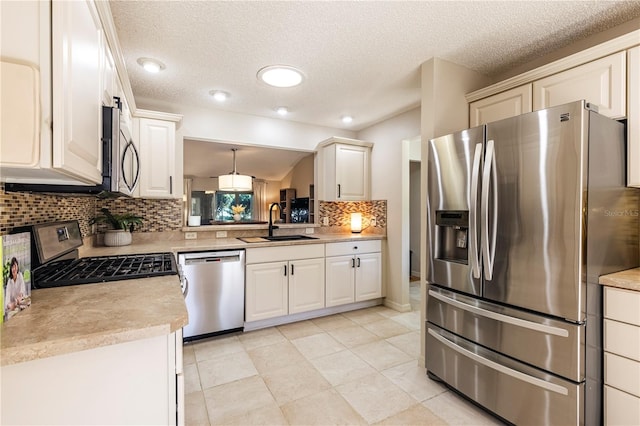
397	306
271	322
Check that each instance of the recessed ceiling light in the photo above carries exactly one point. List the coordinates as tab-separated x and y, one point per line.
346	119
280	76
151	65
219	95
282	111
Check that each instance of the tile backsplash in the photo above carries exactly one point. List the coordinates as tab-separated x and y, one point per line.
338	214
21	209
165	215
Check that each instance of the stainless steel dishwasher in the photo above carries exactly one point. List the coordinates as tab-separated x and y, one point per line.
214	292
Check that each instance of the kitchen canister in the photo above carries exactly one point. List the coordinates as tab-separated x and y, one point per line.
194	221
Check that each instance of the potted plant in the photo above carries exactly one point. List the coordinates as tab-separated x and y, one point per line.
238	209
122	225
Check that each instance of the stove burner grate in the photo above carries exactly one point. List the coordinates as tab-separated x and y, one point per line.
98	269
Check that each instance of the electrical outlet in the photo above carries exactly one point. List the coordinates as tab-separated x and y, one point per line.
308	230
221	234
373	221
325	221
190	235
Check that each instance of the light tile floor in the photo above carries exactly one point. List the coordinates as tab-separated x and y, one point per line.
354	368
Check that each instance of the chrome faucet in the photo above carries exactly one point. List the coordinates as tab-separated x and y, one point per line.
271	227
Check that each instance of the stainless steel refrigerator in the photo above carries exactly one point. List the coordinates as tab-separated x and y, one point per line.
524	215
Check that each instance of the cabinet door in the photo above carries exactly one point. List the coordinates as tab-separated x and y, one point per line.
267	291
340	280
601	82
368	276
352	172
620	408
633	116
306	285
157	158
109	77
77	39
503	105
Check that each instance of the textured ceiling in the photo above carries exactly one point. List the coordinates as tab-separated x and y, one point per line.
359	58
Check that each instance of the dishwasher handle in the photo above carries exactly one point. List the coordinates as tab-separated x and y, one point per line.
209	257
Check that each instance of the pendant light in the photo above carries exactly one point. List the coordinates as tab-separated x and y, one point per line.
234	181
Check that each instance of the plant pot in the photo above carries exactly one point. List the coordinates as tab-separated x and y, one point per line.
236	217
117	237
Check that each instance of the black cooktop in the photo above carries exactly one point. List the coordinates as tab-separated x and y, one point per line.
87	270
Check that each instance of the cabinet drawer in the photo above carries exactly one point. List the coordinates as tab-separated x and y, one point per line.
620	408
284	253
622	373
353	247
622	339
622	305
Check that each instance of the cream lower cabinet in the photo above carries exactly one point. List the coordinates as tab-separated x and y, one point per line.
284	280
601	82
267	291
353	272
621	357
503	105
138	382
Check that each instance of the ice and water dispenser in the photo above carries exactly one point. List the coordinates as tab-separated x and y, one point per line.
453	230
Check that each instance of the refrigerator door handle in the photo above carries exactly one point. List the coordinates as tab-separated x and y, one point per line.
477	310
499	367
474	257
489	174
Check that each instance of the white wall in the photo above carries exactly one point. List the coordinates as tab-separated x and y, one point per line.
387	161
415	192
300	177
232	127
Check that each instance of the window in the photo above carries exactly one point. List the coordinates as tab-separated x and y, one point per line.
224	200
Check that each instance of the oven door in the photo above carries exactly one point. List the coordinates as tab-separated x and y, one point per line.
128	162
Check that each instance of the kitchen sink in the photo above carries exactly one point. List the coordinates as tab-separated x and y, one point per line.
277	238
289	238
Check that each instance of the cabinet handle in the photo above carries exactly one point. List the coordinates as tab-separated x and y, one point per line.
291	269
285	270
355	247
358	262
353	262
170	184
338	190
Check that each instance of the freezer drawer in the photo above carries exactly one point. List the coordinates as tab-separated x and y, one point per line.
521	394
550	344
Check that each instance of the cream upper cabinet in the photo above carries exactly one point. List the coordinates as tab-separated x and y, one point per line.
110	83
633	117
77	49
601	82
503	105
157	140
51	107
344	170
